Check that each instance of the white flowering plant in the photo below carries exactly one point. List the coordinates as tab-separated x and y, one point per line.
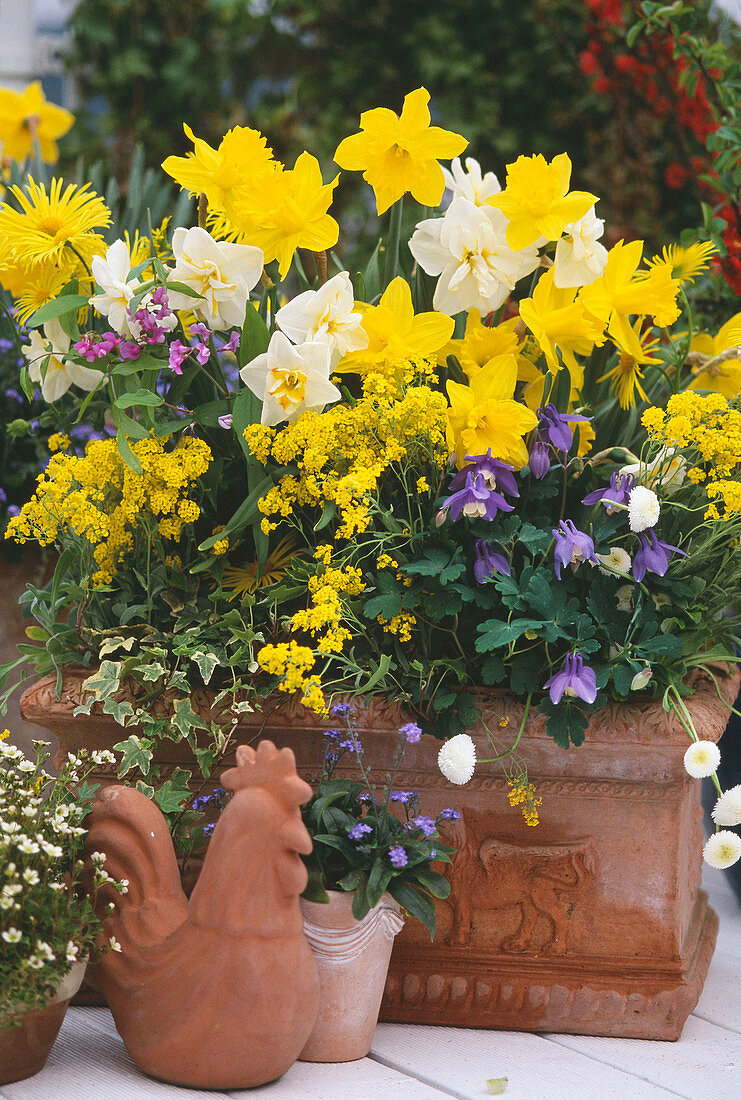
47	918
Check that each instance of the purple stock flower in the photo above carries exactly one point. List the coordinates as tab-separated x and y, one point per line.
476	499
232	343
411	732
397	856
358	830
226	420
202	353
572	546
179	352
617	492
575	679
496	474
449	815
553	426
130	350
539	460
653	555
89	349
488	563
425	824
200	330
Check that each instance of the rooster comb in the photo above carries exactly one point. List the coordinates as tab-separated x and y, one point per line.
267	766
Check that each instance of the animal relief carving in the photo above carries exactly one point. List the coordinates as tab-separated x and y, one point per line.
542	882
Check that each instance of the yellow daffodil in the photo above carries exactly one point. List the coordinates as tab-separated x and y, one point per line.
684	264
481	343
723	376
25	116
484	415
623	291
395	333
400	153
294	213
50	221
626	375
537	201
242	163
561	325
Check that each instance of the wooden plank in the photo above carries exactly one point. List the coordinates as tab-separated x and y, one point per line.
88	1063
720	1002
702	1065
462	1060
362	1080
729	933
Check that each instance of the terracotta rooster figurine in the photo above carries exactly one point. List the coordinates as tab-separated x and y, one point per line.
221	991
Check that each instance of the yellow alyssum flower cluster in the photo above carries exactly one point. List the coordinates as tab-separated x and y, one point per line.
342	452
709	427
522	793
322	619
292	663
100	499
401	625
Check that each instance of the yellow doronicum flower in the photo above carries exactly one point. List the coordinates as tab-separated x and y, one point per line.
242	160
725	376
685	264
49	221
27	115
622	291
484	415
294	214
400	153
560	324
395	333
537	201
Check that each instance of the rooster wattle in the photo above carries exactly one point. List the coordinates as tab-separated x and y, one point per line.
219	991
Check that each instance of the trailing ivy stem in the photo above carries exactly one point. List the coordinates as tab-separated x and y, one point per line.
685	718
515	743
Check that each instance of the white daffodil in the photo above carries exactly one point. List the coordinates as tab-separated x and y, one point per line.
468	249
325	315
110	273
222	273
61	373
290	379
580	258
668	470
470	183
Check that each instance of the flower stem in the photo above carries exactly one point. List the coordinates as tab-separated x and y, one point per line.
391	268
515	743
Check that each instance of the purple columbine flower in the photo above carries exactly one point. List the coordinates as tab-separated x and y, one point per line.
575	679
449	815
617	492
488	563
359	830
476	500
653	555
179	352
226	420
411	732
539	460
572	546
553	426
426	825
397	856
497	475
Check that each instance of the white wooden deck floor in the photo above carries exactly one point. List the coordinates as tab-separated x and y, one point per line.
410	1062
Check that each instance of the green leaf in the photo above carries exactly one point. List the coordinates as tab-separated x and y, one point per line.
173	792
105	681
436	883
206	662
135	753
138	397
68	303
185	720
415	903
255	337
245	513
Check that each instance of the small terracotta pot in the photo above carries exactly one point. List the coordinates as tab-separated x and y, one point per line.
25	1046
352	961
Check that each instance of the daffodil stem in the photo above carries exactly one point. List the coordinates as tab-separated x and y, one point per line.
392	248
202	211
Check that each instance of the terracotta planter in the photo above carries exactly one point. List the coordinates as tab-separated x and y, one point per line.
592	923
25	1047
31	567
352	961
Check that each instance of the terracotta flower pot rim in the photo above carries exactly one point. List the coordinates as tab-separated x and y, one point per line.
65	991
